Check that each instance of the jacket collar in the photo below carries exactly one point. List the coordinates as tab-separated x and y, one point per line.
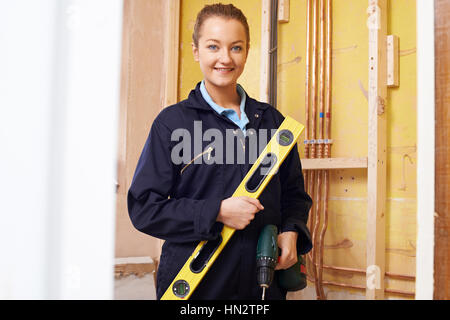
195	100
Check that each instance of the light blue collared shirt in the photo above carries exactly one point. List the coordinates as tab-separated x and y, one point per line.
229	113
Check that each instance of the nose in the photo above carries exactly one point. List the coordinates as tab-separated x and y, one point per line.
225	57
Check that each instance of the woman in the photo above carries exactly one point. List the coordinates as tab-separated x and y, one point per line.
181	191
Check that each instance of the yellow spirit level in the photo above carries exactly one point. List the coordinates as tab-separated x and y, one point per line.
252	185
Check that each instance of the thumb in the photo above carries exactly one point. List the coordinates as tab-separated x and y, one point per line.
255	202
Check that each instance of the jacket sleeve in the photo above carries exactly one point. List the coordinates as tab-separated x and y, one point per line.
295	202
150	207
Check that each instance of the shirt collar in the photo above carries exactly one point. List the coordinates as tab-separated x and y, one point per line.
220	109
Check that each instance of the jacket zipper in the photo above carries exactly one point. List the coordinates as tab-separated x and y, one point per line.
209	150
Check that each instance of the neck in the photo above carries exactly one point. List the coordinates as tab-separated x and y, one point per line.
226	97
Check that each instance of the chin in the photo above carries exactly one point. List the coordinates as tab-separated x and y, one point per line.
222	82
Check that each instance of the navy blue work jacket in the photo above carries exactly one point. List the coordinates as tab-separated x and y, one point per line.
179	202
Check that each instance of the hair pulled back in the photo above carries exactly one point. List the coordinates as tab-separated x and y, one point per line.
226	11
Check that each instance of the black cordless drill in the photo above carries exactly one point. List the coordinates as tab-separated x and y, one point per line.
267	252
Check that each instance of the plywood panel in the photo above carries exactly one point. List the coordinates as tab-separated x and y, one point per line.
142	88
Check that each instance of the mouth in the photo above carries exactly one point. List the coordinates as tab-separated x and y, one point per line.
224	70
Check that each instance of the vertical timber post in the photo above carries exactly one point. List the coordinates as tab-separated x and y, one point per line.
172	45
376	175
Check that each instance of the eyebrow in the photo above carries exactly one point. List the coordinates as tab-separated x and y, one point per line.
219	41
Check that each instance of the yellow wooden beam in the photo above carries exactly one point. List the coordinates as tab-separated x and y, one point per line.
334	163
171	52
392	61
376	171
283	11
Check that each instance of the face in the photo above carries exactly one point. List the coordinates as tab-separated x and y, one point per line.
222	51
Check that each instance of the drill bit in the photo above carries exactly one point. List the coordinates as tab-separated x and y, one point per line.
264	293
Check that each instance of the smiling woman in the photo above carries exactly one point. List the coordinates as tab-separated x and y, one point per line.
221	48
190	200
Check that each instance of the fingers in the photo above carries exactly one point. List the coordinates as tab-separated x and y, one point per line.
238	212
287	241
254	201
286	260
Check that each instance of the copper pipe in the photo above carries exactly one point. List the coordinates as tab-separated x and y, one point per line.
314	80
319	288
322	76
307	116
317	252
353	286
327	129
400	276
312	153
331	283
315	213
387	274
345	269
324	227
307	88
328	77
345	285
400	292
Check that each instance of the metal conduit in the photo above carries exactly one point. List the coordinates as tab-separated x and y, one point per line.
273	52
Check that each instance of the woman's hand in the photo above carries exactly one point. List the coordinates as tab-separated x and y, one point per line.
287	241
238	212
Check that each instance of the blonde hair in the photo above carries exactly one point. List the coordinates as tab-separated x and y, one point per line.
227	11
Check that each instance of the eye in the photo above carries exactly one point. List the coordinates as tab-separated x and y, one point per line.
236	48
212	47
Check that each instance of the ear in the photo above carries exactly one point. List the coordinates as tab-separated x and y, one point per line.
195	51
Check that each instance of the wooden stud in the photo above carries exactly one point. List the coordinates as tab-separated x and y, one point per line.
172	45
283	11
442	153
334	163
376	171
147	85
170	92
392	61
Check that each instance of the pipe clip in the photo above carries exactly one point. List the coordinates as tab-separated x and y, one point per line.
318	141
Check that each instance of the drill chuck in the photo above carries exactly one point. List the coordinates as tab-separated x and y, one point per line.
265	267
291	279
266	255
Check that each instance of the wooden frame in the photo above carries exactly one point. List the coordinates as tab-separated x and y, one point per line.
442	153
172	45
283	11
392	61
376	171
425	12
334	163
149	83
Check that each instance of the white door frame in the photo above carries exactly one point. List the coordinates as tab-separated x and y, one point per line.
59	101
425	150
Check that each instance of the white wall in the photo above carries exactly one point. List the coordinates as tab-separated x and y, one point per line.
59	96
425	150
